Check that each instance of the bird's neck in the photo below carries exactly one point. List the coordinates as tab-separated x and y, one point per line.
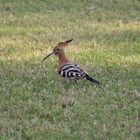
62	60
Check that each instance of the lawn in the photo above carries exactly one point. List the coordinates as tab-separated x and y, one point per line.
36	103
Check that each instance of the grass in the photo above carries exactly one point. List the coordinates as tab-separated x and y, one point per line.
35	103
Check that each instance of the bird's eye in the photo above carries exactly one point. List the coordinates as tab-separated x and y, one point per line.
58	49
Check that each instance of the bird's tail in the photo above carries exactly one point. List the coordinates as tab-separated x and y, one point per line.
91	79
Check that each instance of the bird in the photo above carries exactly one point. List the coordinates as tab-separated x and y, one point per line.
67	69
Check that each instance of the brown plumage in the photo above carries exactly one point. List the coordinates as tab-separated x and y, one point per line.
66	68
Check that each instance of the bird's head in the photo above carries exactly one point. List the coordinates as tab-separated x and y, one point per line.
59	49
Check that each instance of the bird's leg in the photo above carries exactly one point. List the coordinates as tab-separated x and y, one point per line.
67	80
76	81
71	81
64	80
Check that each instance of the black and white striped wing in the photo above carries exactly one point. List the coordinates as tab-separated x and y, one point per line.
72	71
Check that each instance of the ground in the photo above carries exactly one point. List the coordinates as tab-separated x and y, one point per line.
37	104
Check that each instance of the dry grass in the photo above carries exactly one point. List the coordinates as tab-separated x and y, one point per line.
35	103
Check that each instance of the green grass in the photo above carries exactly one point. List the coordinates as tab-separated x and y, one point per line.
37	104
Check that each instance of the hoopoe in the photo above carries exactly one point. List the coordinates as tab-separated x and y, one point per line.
66	68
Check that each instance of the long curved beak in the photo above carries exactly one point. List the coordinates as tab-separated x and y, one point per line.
68	41
48	56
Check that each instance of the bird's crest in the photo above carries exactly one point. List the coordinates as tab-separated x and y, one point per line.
59	48
63	44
